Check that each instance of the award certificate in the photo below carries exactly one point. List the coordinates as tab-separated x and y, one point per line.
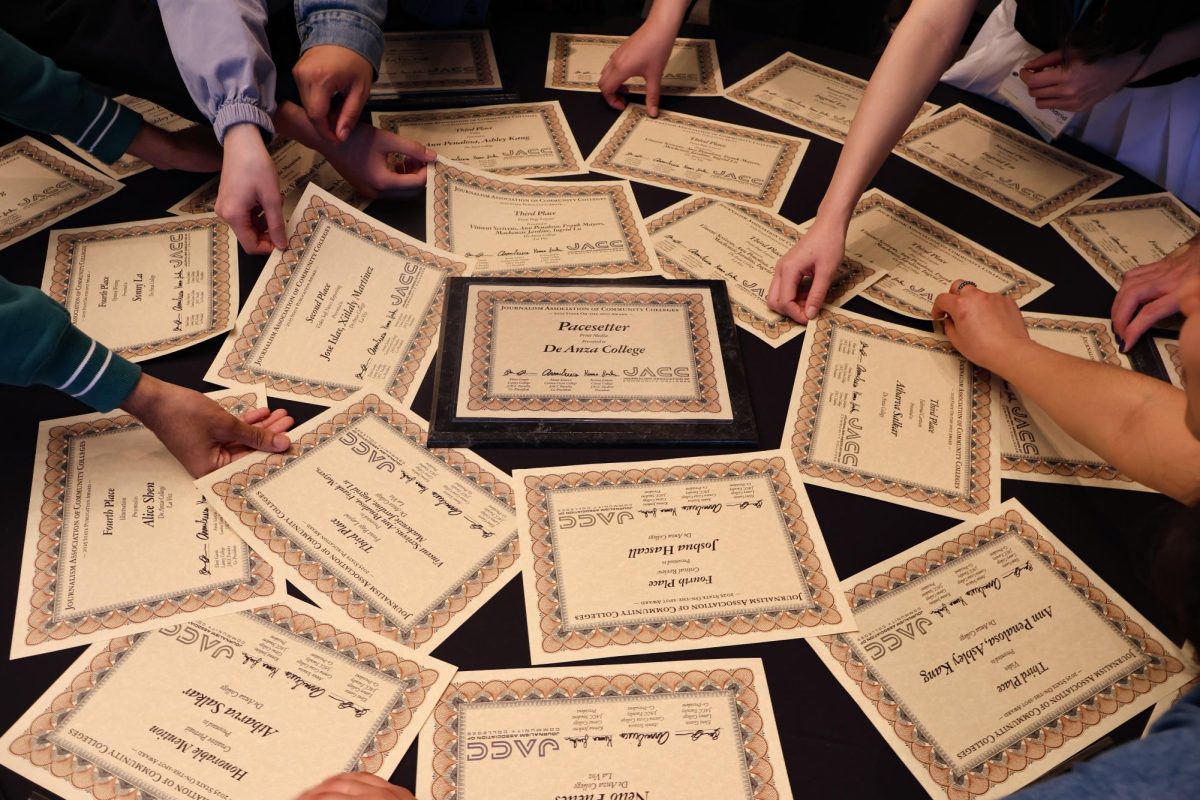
577	59
258	705
1114	236
998	616
1168	351
543	228
671	555
350	303
436	61
922	258
895	414
146	288
712	239
128	165
806	94
529	140
118	540
669	731
698	156
1022	175
408	541
41	186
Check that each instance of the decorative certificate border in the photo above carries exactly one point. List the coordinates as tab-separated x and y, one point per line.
42	625
817	609
706	396
1094	178
233	491
483	57
438	210
981	494
852	278
791	150
557	76
1168	351
738	684
1122	688
96	187
36	746
258	318
567	158
220	275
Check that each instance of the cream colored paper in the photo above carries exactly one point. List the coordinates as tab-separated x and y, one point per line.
127	165
1033	447
681	554
298	166
700	156
806	94
119	541
146	288
364	518
1020	174
683	729
585	352
350	303
995	617
508	226
1114	236
251	706
436	61
923	258
895	414
576	60
1168	351
39	186
713	239
530	140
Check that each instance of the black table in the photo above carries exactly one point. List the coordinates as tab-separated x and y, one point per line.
829	746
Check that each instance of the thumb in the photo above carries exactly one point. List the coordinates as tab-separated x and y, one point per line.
1051	59
653	88
259	438
273	212
352	107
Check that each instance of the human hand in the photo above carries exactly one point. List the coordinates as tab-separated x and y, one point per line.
192	149
986	328
358	785
198	432
367	160
815	257
643	54
334	84
1066	82
249	193
1149	293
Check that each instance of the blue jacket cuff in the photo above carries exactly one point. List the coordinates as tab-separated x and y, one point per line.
345	29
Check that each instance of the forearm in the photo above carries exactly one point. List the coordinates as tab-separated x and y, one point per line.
1175	47
292	122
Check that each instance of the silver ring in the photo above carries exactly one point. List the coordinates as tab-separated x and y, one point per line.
959	285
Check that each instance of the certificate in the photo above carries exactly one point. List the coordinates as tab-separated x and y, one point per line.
41	187
999	617
1032	445
350	303
698	156
436	61
1022	175
806	94
672	555
365	518
517	227
1168	351
260	704
713	239
659	730
146	288
576	60
923	258
1114	236
119	541
127	165
298	166
893	413
530	140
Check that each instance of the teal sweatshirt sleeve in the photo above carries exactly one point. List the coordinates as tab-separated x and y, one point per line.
38	344
36	94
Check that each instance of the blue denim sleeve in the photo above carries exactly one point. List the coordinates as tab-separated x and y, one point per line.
353	24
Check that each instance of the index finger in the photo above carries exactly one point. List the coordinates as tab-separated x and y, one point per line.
352	106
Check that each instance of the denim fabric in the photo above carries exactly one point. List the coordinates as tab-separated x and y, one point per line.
349	24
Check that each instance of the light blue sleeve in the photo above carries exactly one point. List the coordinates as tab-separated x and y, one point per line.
353	24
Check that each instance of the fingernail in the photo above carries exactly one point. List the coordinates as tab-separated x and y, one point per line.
1120	341
430	155
811	312
281	442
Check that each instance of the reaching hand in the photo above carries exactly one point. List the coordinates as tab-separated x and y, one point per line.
357	785
198	432
367	159
986	328
191	149
334	83
249	193
1149	293
817	257
643	54
1066	82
